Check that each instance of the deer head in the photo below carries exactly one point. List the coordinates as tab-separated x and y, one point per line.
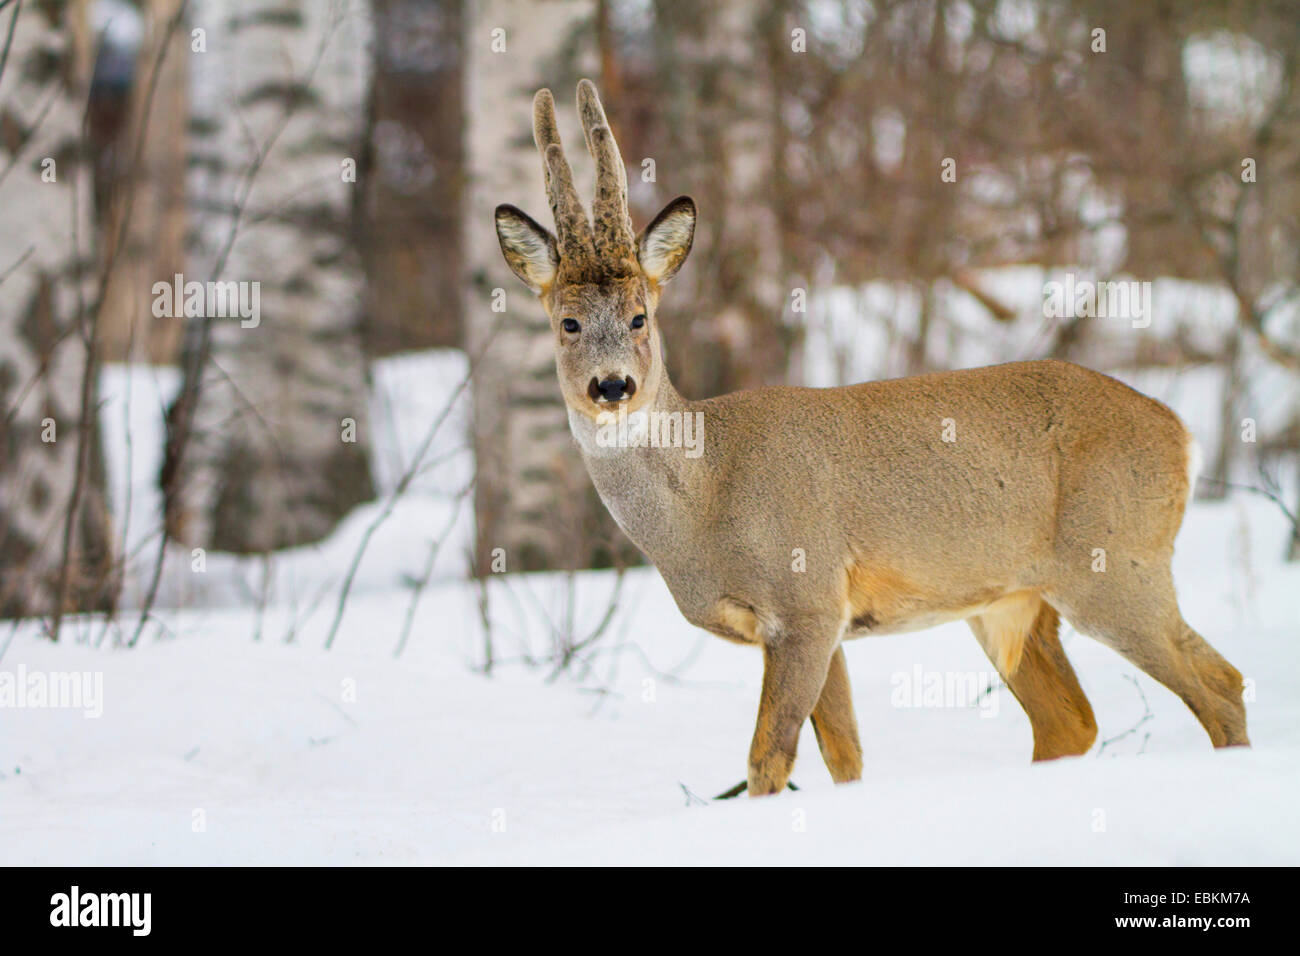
599	283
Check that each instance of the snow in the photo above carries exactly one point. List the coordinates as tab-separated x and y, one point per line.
233	736
409	393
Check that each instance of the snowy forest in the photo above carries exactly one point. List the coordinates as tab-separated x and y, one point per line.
299	562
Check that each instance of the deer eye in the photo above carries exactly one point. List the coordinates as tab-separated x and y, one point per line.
638	321
571	325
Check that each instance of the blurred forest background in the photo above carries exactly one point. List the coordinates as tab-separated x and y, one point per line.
346	156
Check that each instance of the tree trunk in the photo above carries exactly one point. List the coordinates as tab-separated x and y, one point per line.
151	180
722	142
278	446
532	498
45	318
1225	455
413	177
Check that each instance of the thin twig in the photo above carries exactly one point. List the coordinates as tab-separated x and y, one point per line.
14	268
423	581
1147	715
1272	495
402	486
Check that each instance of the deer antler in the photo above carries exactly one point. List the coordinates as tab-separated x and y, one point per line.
572	229
614	236
612	245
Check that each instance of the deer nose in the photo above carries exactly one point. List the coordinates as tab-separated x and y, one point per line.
613	389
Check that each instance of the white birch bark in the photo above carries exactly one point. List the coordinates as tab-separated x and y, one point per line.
45	252
278	453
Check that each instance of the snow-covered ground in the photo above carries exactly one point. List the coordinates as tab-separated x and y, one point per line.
231	734
221	742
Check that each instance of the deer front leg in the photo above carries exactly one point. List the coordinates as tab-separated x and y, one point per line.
835	725
795	668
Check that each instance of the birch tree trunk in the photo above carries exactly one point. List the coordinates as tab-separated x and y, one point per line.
45	316
278	448
532	498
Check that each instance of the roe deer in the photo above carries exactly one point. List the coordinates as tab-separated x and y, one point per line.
899	529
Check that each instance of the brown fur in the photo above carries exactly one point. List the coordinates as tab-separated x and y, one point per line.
834	724
898	528
736	622
1044	683
1006	624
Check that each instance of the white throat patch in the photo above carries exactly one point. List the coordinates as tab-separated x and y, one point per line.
592	436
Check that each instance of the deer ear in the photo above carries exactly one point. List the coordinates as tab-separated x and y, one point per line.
662	246
529	249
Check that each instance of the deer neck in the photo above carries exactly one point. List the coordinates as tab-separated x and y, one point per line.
647	466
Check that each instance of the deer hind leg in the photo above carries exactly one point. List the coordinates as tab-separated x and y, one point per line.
796	663
1041	679
834	724
1136	614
